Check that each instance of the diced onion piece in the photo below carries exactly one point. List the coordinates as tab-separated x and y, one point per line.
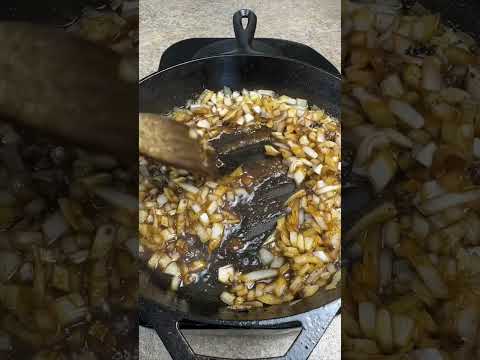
103	242
367	318
118	199
270	150
392	86
70	309
310	152
403	328
391	233
405	112
322	255
270	299
162	200
448	200
188	187
425	155
175	283
277	262
217	231
172	269
227	298
204	219
266	257
378	111
432	279
380	214
398	138
368	146
454	95
424	28
299	176
431	74
431	189
260	275
420	226
383	330
55	226
381	170
225	274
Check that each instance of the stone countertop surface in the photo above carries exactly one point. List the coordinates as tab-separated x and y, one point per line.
315	23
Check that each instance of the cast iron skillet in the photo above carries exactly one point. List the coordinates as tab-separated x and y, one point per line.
242	67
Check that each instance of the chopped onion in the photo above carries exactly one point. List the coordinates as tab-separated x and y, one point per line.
392	86
322	255
397	138
172	269
420	226
217	231
118	199
403	328
448	200
266	257
406	113
277	262
70	309
260	275
103	242
380	214
381	170
54	227
432	279
367	318
425	155
227	298
431	75
225	274
391	233
368	146
175	283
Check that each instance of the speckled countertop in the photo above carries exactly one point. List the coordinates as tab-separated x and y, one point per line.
315	23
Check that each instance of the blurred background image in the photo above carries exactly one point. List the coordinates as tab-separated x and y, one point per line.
68	207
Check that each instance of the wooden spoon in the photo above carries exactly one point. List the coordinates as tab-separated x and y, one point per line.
168	141
56	83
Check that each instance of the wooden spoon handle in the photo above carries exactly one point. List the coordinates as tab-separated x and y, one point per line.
168	141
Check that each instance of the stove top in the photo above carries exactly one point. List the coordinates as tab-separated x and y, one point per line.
189	49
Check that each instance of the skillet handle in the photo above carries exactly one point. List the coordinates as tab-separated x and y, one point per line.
313	324
245	35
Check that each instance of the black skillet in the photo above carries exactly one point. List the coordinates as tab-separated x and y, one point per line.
243	66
